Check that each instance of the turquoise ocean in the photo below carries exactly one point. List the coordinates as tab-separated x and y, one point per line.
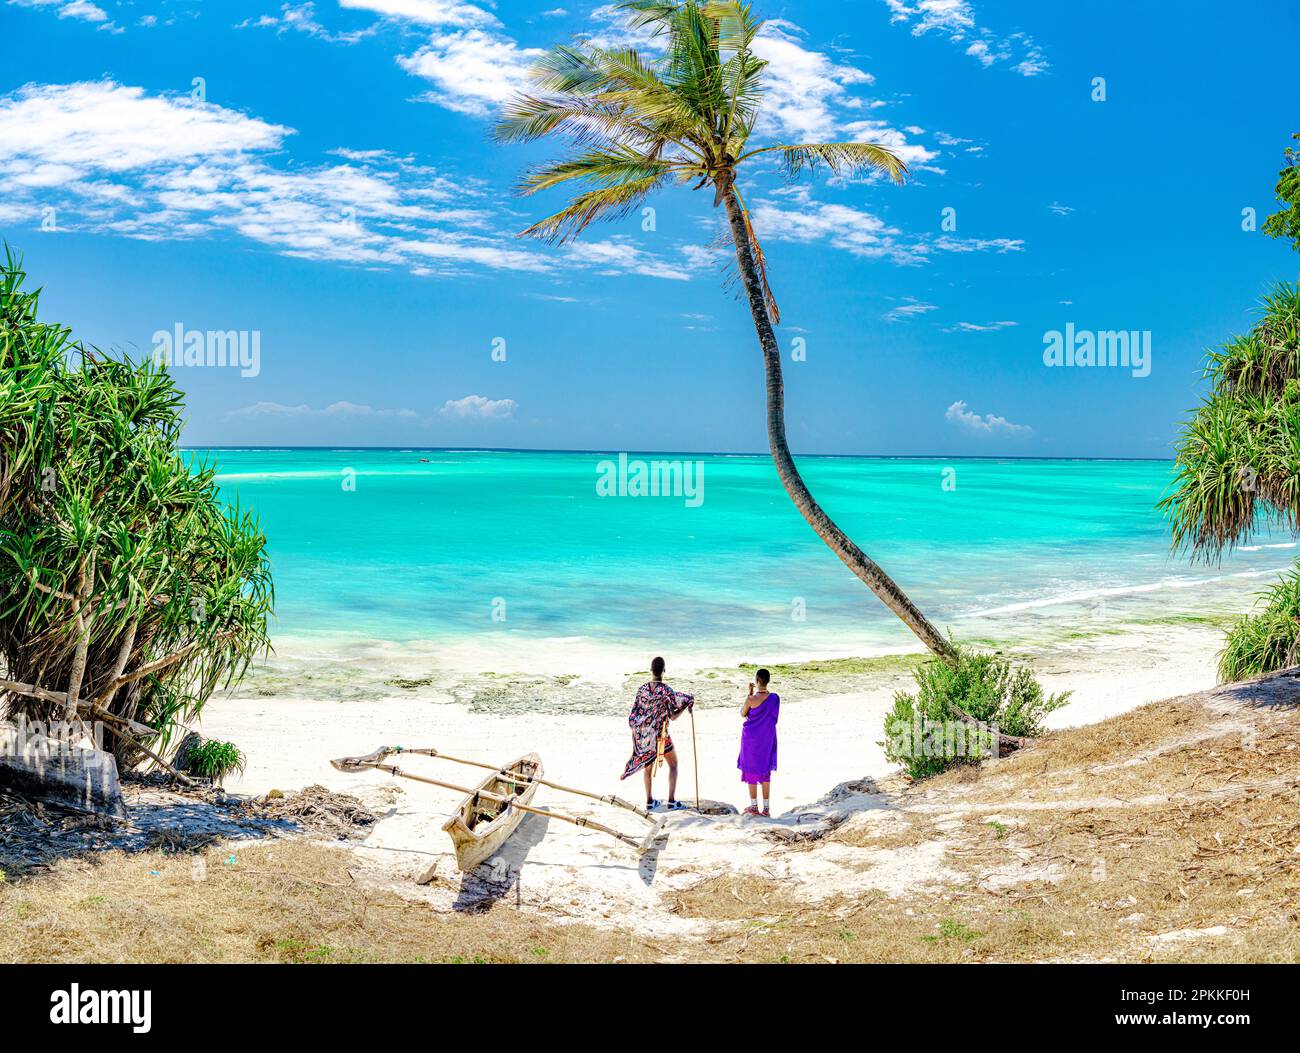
432	547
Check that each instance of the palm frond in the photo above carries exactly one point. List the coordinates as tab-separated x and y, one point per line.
843	159
641	122
760	262
605	168
1237	464
603	203
530	117
651	14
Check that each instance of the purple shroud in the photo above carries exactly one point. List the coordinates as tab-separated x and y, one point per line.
758	737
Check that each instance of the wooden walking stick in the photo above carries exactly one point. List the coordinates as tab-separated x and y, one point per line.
695	758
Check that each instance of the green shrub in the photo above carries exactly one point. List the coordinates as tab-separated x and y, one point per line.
924	732
215	760
1268	639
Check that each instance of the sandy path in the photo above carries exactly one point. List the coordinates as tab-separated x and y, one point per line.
553	866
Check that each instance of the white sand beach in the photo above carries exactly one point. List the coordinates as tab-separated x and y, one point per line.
828	746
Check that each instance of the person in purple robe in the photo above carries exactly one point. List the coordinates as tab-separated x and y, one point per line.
757	758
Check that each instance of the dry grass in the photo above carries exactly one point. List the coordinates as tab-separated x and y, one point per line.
1166	748
887	832
287	901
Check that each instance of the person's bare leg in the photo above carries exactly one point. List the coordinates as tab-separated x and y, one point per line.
672	775
767	794
649	785
753	794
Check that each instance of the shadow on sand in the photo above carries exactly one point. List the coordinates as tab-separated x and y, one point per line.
34	838
489	883
1280	690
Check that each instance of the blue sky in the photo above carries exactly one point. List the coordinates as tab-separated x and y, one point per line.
321	175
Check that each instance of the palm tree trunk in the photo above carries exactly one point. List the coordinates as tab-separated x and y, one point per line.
853	557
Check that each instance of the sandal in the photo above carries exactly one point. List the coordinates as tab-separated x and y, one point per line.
751	810
676	806
765	813
653	805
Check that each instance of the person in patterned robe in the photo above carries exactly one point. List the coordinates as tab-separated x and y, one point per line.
655	705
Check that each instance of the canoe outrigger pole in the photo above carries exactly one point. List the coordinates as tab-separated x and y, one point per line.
374	762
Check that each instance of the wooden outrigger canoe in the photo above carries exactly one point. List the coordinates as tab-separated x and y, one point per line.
498	803
488	816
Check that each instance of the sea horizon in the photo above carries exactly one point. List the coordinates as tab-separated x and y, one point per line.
192	447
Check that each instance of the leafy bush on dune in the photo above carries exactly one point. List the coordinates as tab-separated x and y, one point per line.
924	731
1269	639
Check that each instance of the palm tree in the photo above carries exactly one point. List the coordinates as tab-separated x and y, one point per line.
638	124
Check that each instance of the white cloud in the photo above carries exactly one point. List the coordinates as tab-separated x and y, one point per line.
112	159
613	31
860	232
909	308
913	155
947	243
804	88
426	12
83	10
620	255
301	18
980	50
956	19
1059	209
988	424
1034	61
79	10
109	127
851	229
480	408
976	327
482	251
810	97
472	71
336	409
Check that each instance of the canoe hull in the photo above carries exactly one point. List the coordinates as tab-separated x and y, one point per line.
479	827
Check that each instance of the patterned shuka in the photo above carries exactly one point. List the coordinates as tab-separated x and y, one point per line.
656	703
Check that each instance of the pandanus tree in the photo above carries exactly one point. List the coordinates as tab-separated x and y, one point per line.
1237	469
1238	458
686	115
129	592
